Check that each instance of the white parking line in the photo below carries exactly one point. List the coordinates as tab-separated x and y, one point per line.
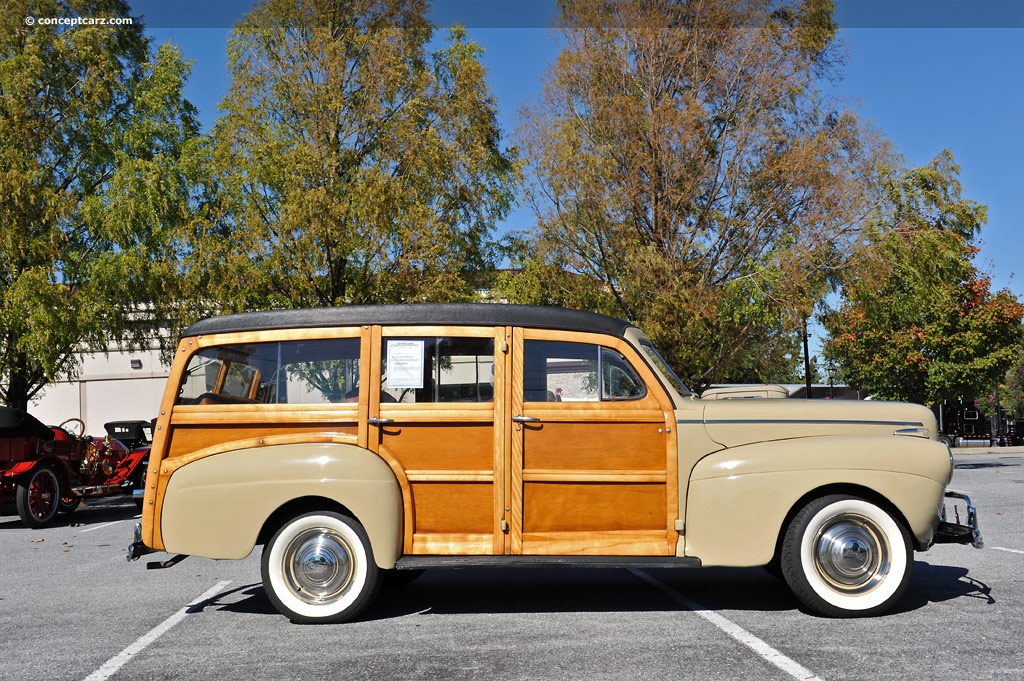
111	666
765	651
1000	548
100	527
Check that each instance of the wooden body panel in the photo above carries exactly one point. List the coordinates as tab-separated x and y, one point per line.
571	446
188	438
452	507
580	507
441	446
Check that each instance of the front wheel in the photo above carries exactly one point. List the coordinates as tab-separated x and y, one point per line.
846	557
38	497
319	568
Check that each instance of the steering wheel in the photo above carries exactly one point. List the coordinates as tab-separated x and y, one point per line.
81	427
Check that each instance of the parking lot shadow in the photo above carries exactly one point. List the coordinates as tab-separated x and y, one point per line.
938	583
547	590
554	590
249	599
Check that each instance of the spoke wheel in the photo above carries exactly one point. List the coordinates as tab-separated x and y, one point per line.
846	557
38	497
319	568
69	504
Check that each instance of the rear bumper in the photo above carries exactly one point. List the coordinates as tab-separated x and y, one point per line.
137	549
962	530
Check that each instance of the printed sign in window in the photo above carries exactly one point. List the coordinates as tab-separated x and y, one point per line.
405	364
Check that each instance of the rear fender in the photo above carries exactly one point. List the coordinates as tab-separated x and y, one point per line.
216	506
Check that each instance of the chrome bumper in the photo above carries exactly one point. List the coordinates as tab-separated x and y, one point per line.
958	532
137	549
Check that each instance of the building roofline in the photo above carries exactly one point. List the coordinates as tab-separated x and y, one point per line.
458	314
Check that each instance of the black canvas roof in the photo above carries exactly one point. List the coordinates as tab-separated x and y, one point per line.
17	423
461	314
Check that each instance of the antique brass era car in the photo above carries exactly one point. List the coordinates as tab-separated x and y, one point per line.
49	469
356	442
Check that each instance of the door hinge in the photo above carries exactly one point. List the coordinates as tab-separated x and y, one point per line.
680	525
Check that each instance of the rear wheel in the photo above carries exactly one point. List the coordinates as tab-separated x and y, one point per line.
846	557
69	503
139	482
319	568
38	496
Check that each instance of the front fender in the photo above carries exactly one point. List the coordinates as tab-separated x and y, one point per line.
738	499
215	506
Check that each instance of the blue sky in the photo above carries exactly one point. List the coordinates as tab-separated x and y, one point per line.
947	79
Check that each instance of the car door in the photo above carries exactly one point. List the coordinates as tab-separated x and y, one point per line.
434	419
592	459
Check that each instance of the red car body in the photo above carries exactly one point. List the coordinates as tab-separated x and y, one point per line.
50	469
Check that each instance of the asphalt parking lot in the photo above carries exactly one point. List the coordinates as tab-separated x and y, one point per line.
71	607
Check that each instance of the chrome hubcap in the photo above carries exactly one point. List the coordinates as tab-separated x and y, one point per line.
851	554
318	565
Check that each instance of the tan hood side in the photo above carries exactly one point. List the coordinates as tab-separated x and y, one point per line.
732	423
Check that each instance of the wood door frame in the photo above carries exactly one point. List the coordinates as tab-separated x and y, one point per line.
444	413
663	543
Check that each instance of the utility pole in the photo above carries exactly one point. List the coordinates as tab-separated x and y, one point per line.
807	363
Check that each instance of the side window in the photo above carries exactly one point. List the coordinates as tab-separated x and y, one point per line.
287	372
618	379
559	371
445	369
319	371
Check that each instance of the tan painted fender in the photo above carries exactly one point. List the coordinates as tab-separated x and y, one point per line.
738	498
215	506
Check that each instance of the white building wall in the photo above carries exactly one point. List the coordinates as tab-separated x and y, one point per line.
108	389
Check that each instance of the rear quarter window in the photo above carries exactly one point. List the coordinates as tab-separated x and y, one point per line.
285	372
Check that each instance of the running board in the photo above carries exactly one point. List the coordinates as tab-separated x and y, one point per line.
424	562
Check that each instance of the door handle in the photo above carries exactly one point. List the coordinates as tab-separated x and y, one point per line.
377	421
525	419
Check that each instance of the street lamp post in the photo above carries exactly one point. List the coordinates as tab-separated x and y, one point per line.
830	369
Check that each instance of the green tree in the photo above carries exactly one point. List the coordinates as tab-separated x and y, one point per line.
918	321
350	165
1013	388
691	177
92	127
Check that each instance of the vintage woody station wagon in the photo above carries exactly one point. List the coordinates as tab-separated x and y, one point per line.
358	441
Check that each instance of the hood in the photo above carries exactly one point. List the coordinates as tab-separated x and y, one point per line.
737	422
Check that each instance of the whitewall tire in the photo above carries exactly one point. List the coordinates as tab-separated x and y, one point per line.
319	568
843	556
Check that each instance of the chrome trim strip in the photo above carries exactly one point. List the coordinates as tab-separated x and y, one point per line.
913	432
913	424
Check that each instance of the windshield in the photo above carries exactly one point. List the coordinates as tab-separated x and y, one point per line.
661	365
